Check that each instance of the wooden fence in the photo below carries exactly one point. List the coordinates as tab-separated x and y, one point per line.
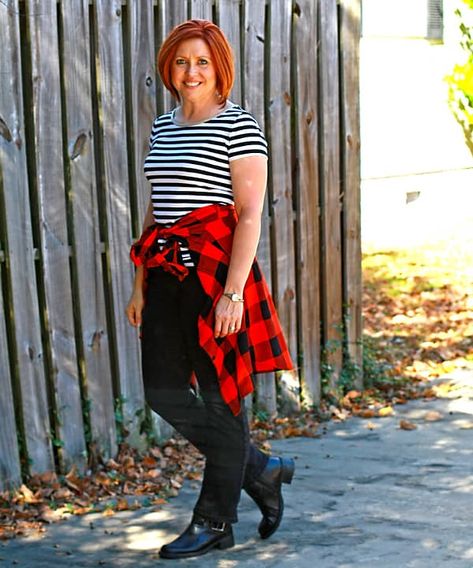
78	94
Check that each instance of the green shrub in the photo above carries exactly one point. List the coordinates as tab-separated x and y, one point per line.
460	81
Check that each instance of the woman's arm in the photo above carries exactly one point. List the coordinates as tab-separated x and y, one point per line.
249	176
136	302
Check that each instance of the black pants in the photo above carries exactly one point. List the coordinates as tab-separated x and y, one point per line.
170	352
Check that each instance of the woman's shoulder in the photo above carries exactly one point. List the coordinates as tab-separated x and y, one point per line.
239	112
242	117
162	119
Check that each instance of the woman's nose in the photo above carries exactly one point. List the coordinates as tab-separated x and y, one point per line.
191	69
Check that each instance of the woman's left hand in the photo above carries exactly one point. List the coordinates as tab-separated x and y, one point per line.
228	317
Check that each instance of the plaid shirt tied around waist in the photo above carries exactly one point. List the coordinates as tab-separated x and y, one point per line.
260	345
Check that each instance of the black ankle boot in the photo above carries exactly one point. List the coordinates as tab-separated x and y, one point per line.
266	492
200	536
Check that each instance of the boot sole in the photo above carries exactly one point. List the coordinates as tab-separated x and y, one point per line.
224	543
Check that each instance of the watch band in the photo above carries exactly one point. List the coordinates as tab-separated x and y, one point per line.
233	296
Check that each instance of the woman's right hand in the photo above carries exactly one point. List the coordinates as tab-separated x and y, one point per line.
135	307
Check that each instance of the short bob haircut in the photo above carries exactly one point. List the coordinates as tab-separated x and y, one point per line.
220	51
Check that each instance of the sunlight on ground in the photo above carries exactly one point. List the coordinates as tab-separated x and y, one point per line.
151	540
418	305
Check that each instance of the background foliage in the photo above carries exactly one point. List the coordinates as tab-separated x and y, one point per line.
460	81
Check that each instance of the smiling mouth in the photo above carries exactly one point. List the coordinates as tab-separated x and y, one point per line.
192	84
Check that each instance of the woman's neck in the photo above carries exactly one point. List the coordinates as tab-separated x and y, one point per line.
190	111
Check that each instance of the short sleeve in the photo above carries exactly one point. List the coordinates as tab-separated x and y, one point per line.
246	138
154	133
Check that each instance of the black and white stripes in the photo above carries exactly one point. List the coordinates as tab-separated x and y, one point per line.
189	166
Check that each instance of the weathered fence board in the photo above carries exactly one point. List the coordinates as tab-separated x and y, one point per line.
21	276
308	226
10	471
330	186
172	13
54	261
88	284
281	207
350	22
143	95
117	204
254	80
229	21
200	9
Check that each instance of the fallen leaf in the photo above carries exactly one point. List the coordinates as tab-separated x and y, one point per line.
429	393
353	394
82	510
366	413
386	411
122	505
149	462
406	425
433	416
159	501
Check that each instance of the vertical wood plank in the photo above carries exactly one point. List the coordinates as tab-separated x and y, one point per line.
19	249
279	112
110	52
172	13
49	183
89	299
305	43
330	184
229	22
143	93
10	471
350	21
253	97
200	9
254	101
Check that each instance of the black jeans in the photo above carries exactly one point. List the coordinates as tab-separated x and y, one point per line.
170	353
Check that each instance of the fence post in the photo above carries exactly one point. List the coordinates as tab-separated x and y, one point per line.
308	210
331	246
280	194
350	22
128	385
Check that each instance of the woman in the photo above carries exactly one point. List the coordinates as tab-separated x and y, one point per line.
199	296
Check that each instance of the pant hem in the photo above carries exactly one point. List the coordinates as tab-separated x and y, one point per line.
215	518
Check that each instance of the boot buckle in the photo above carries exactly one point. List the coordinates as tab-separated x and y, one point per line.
218	526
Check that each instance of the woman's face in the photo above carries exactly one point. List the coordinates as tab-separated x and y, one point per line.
193	72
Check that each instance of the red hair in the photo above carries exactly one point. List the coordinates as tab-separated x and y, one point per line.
220	50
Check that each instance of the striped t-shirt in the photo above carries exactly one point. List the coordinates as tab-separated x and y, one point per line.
189	166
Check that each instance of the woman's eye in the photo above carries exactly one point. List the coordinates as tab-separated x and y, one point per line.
203	61
180	62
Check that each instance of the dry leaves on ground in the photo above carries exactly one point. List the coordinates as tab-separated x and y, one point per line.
128	482
418	309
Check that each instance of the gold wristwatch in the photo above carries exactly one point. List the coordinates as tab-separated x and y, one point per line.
234	297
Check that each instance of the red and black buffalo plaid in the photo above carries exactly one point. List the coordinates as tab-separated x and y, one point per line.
259	346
